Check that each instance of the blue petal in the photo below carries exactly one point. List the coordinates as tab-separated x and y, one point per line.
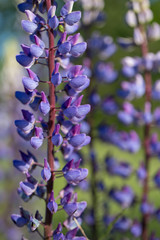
22	97
64	48
36	51
78	49
18	220
21	166
36	142
24	125
24	60
73	18
53	22
29	26
44	107
56	79
77	140
29	83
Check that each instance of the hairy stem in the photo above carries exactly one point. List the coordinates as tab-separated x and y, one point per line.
51	124
148	82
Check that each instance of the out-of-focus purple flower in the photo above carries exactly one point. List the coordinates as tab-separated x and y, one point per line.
147	116
141	172
157	179
156	90
105	72
122	169
146	208
123	224
133	89
156	116
153	237
110	106
128	114
130	66
136	229
125	196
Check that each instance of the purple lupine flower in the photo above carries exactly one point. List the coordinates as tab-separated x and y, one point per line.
110	106
122	169
105	72
136	229
141	172
52	18
73	174
30	25
70	224
128	114
156	90
157	179
30	83
77	139
37	49
37	140
125	196
146	208
57	235
71	235
29	186
156	116
56	137
56	78
27	124
52	205
153	237
26	164
25	58
134	89
44	104
147	116
72	18
22	219
46	171
123	224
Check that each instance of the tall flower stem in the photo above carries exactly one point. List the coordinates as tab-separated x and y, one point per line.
51	124
148	82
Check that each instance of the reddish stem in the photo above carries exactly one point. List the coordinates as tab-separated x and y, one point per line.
148	82
51	124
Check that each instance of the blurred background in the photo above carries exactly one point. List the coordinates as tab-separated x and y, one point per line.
11	35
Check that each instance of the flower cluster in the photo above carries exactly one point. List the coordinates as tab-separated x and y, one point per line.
64	109
138	71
